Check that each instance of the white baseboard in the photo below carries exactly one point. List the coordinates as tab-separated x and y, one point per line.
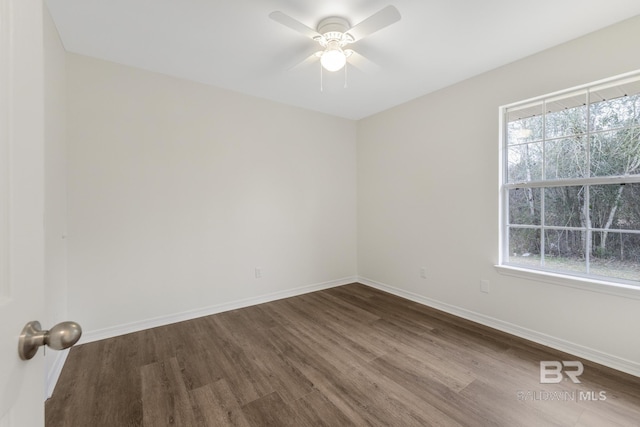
605	359
127	328
54	372
56	369
587	353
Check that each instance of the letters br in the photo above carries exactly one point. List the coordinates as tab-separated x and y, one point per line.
551	371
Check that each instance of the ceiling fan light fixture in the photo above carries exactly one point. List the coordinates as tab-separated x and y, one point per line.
333	58
334	33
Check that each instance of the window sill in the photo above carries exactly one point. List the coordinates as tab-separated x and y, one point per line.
604	287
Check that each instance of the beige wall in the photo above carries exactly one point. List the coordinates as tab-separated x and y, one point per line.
178	191
428	197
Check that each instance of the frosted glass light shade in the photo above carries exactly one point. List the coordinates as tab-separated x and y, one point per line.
333	59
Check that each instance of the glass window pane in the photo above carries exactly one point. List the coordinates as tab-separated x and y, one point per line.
620	258
564	250
524	246
628	214
565	158
564	206
524	130
566	116
615	206
524	206
525	163
614	107
524	123
615	152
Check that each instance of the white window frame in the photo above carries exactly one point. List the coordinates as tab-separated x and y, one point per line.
618	287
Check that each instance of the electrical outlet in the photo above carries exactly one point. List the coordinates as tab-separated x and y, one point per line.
423	272
258	273
484	286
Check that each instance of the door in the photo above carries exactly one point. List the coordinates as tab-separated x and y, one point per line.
21	207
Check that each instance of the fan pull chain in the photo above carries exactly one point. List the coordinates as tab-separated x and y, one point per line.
322	76
345	75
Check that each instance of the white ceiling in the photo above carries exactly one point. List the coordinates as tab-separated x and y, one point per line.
233	44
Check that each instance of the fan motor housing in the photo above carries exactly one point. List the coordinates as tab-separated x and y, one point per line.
333	24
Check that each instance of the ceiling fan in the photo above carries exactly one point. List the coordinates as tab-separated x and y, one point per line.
334	33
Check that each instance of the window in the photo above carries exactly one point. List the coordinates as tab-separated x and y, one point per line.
570	193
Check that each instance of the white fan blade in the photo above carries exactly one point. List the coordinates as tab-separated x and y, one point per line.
294	24
362	63
375	22
305	62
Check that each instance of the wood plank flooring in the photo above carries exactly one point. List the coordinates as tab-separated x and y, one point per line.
347	356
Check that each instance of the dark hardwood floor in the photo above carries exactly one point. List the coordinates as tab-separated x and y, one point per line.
347	356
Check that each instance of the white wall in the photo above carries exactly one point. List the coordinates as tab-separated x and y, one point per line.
178	190
428	197
55	189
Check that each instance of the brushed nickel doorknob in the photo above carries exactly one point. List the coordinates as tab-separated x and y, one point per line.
61	336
